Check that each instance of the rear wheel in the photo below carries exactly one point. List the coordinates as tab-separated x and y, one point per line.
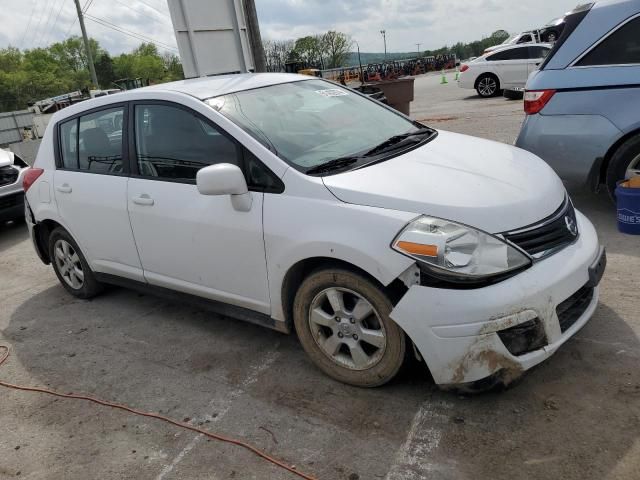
70	265
625	163
487	85
342	321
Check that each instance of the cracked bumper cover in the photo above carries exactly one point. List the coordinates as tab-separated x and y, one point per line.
455	330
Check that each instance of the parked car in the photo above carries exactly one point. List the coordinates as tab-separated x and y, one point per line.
12	170
508	68
552	30
517	39
582	105
304	206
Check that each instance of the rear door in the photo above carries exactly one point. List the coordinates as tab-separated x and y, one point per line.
511	66
197	244
90	188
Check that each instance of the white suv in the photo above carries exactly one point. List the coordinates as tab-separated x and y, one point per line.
304	206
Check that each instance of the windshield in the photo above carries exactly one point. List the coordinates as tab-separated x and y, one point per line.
311	122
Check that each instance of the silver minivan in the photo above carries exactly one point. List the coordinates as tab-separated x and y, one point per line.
583	105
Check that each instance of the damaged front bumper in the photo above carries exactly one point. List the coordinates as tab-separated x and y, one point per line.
504	329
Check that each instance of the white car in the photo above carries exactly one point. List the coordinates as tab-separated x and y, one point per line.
12	170
304	206
508	68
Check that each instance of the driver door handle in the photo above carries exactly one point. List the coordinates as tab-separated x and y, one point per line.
143	199
64	188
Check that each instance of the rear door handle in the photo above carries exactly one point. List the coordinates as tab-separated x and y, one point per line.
64	188
143	199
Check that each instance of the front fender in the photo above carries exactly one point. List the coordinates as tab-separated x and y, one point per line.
355	234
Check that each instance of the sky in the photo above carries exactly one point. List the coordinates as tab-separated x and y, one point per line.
432	23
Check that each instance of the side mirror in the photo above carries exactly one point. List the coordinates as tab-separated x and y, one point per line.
225	179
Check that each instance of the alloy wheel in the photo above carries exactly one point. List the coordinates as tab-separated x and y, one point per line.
347	328
633	169
68	264
487	86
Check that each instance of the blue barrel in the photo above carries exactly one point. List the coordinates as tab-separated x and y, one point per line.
628	200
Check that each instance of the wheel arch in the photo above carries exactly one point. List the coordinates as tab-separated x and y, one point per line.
302	269
487	73
41	232
606	161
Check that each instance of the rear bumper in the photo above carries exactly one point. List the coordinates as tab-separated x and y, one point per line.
571	144
456	331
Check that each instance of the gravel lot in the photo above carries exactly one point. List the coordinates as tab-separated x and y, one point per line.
577	416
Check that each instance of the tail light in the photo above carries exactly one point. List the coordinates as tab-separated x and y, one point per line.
30	176
535	100
464	68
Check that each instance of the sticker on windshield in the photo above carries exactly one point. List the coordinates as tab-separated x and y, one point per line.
332	92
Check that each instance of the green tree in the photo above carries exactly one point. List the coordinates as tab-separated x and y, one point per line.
335	46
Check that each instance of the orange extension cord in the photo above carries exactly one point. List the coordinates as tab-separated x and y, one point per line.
186	426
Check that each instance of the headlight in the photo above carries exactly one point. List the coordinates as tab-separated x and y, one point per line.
457	252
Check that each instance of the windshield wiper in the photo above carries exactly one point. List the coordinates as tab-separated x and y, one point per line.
396	139
334	164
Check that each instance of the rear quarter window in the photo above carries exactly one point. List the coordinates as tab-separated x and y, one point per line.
622	47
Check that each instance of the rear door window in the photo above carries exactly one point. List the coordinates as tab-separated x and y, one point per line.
538	52
93	142
622	47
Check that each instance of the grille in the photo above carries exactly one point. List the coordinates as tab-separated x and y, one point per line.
10	200
549	235
8	175
573	307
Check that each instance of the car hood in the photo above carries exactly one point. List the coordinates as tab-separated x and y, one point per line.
489	185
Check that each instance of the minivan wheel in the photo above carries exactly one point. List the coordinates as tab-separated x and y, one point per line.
625	163
342	321
70	265
487	85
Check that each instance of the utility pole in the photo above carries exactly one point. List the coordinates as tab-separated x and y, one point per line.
253	29
384	37
87	50
418	45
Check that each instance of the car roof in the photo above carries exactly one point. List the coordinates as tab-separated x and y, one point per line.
601	18
207	87
200	88
518	45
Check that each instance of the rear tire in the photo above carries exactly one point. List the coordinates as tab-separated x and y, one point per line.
487	85
624	163
342	321
71	267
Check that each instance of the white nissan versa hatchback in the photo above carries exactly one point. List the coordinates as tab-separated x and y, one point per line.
301	205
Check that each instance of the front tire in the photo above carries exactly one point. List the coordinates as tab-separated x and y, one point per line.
624	163
342	321
70	266
487	85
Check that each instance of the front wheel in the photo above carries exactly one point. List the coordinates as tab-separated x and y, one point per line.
342	321
487	86
625	163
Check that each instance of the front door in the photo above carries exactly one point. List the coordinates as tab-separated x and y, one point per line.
190	242
90	188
